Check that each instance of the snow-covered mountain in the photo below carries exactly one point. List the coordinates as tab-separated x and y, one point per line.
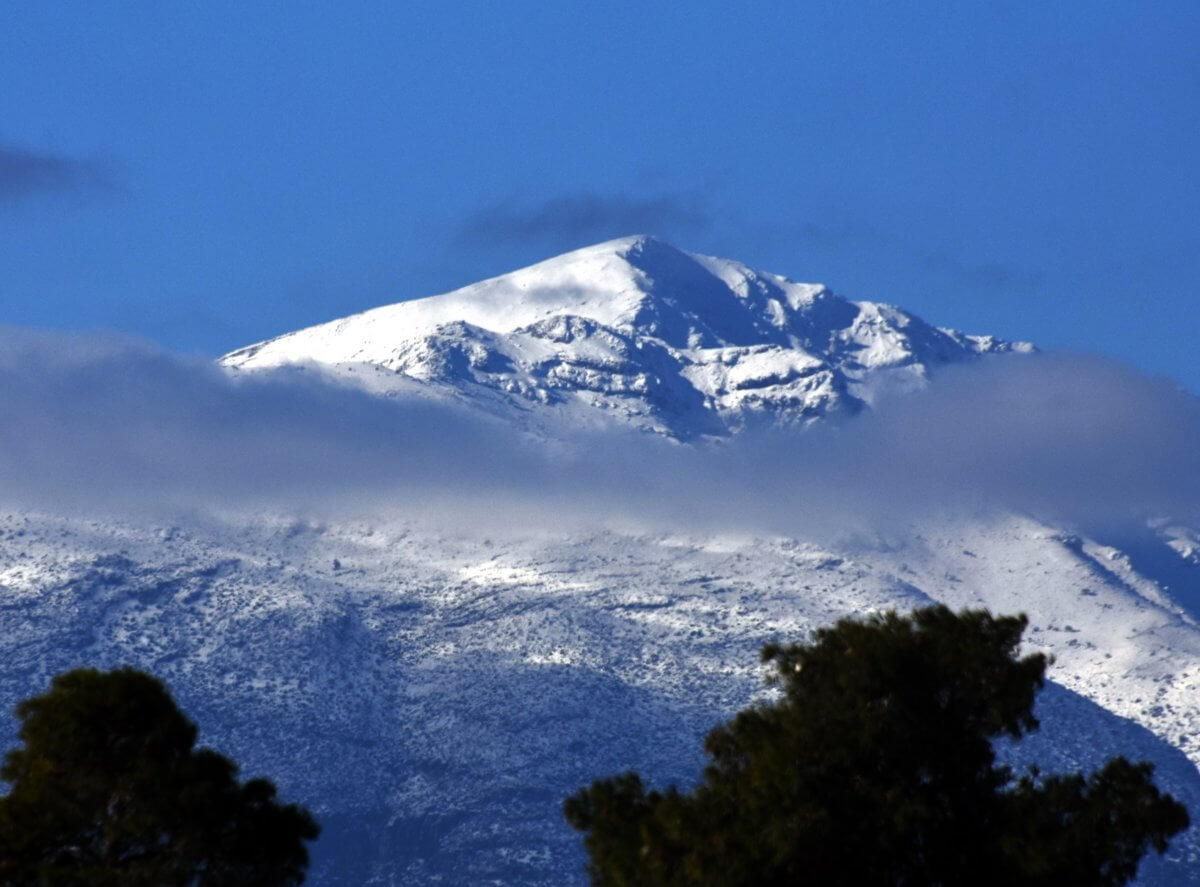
434	689
637	331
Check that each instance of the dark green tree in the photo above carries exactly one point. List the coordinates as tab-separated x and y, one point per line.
875	766
108	789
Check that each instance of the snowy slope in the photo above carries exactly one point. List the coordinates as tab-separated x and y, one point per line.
635	331
435	695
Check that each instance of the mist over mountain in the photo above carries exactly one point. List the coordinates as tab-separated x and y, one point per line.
436	565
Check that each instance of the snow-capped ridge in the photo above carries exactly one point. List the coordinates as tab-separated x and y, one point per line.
648	334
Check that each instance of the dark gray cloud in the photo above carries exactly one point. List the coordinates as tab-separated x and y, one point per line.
112	425
24	173
573	219
979	275
858	237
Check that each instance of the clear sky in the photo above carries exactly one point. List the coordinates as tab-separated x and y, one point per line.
204	175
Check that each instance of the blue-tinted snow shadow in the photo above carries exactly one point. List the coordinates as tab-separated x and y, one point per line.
1077	734
1150	556
482	801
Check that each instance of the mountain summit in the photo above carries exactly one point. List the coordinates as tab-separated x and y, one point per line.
637	331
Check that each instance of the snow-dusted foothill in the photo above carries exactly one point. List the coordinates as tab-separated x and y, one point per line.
433	696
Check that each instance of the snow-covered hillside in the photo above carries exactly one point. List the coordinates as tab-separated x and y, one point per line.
433	678
434	696
635	331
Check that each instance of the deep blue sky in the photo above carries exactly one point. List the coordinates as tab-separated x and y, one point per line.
205	175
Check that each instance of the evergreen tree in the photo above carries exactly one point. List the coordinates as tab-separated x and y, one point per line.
875	766
108	789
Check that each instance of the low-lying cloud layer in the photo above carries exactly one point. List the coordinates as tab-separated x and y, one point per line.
113	425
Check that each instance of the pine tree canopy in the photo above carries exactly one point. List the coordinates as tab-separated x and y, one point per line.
108	789
875	765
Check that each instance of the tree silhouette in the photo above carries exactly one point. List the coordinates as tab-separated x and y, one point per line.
108	789
875	766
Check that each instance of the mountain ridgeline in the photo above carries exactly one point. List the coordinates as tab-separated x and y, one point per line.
635	331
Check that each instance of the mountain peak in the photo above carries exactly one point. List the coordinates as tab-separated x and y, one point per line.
622	246
670	341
